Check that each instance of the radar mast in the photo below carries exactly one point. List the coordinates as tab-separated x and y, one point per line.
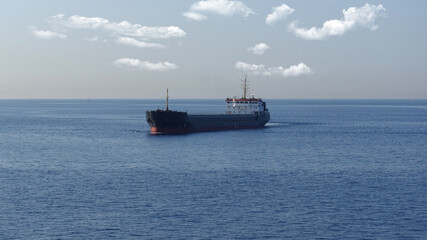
167	99
245	88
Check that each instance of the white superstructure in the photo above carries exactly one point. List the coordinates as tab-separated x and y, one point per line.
244	106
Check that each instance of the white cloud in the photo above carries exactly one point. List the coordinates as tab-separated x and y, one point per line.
136	43
195	16
364	16
58	16
136	63
46	34
294	70
222	7
76	21
279	13
259	49
119	28
137	30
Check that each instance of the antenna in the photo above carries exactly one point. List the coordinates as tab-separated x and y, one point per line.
245	88
167	99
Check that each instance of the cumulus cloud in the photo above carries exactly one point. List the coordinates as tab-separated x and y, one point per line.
259	49
294	70
58	16
123	28
222	7
195	16
136	63
279	13
76	21
364	16
46	34
137	43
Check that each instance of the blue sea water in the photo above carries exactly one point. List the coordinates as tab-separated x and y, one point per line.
336	169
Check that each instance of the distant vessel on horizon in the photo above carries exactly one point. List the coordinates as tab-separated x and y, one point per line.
242	113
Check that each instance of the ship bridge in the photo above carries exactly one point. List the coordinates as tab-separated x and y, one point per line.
244	105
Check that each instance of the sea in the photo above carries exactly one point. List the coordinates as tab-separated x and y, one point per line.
320	169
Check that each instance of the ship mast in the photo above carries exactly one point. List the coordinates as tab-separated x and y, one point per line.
244	89
167	99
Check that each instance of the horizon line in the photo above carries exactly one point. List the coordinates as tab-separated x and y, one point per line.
327	99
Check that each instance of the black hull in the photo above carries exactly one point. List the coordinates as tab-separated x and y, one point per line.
174	122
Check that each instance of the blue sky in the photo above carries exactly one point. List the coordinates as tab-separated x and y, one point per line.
202	49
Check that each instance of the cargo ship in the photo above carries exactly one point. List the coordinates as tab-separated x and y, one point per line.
241	113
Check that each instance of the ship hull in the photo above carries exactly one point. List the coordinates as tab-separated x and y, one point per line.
174	122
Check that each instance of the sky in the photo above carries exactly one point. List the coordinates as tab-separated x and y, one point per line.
203	49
